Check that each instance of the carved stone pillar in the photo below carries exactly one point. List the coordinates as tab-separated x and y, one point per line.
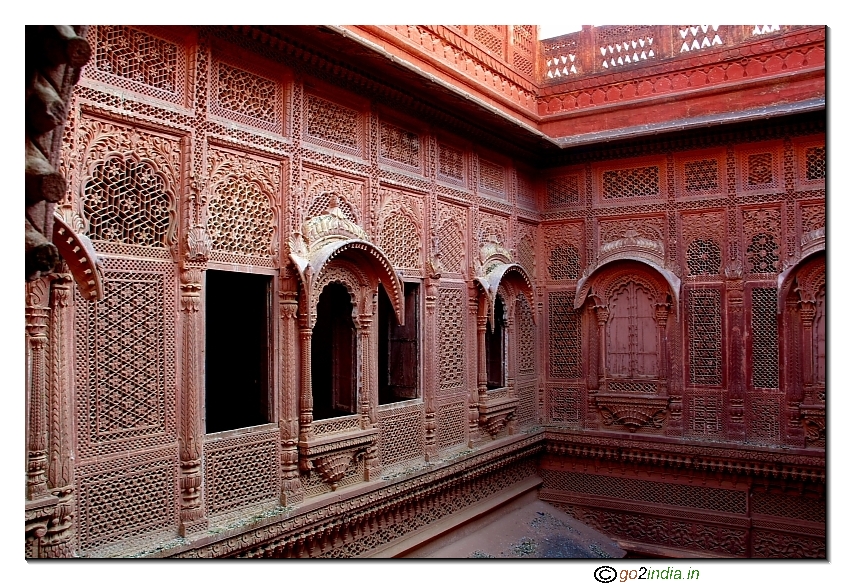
807	318
305	405
37	314
59	538
674	426
292	491
602	313
475	393
431	369
737	378
192	513
481	335
367	388
510	365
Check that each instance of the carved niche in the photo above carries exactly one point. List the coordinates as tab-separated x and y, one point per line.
331	249
500	282
632	305
805	315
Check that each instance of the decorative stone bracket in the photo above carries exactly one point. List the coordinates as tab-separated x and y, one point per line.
633	412
331	455
813	420
494	415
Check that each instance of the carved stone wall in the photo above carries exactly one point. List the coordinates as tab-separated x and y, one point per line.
678	292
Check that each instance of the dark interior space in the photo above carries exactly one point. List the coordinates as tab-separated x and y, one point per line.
398	352
334	355
495	347
237	350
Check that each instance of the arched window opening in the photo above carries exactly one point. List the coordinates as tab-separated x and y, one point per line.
398	353
495	346
334	355
632	334
238	333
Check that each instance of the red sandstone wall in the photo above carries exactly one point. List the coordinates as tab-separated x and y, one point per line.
218	148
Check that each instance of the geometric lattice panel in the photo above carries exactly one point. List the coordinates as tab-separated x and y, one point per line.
525	326
705	339
526	413
564	336
125	361
241	471
764	420
127	202
765	339
127	498
631	182
241	220
564	405
686	496
331	123
247	98
452	339
704	413
451	424
134	60
401	438
789	506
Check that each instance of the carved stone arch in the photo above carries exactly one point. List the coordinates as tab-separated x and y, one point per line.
597	274
785	283
513	279
370	259
153	225
802	318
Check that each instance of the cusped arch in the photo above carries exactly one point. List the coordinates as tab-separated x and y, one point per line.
785	280
511	276
372	261
586	283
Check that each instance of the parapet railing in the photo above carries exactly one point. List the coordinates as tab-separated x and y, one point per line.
603	49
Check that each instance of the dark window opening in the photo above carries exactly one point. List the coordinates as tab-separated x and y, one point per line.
398	355
334	355
494	342
237	350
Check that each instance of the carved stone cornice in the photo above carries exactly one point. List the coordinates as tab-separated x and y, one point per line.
683	455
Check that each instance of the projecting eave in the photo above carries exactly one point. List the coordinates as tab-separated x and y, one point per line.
758	113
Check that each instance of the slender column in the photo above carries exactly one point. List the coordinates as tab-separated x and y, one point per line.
305	334
431	369
510	365
662	311
292	492
602	313
807	317
367	390
192	512
37	314
735	323
59	539
474	393
482	355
